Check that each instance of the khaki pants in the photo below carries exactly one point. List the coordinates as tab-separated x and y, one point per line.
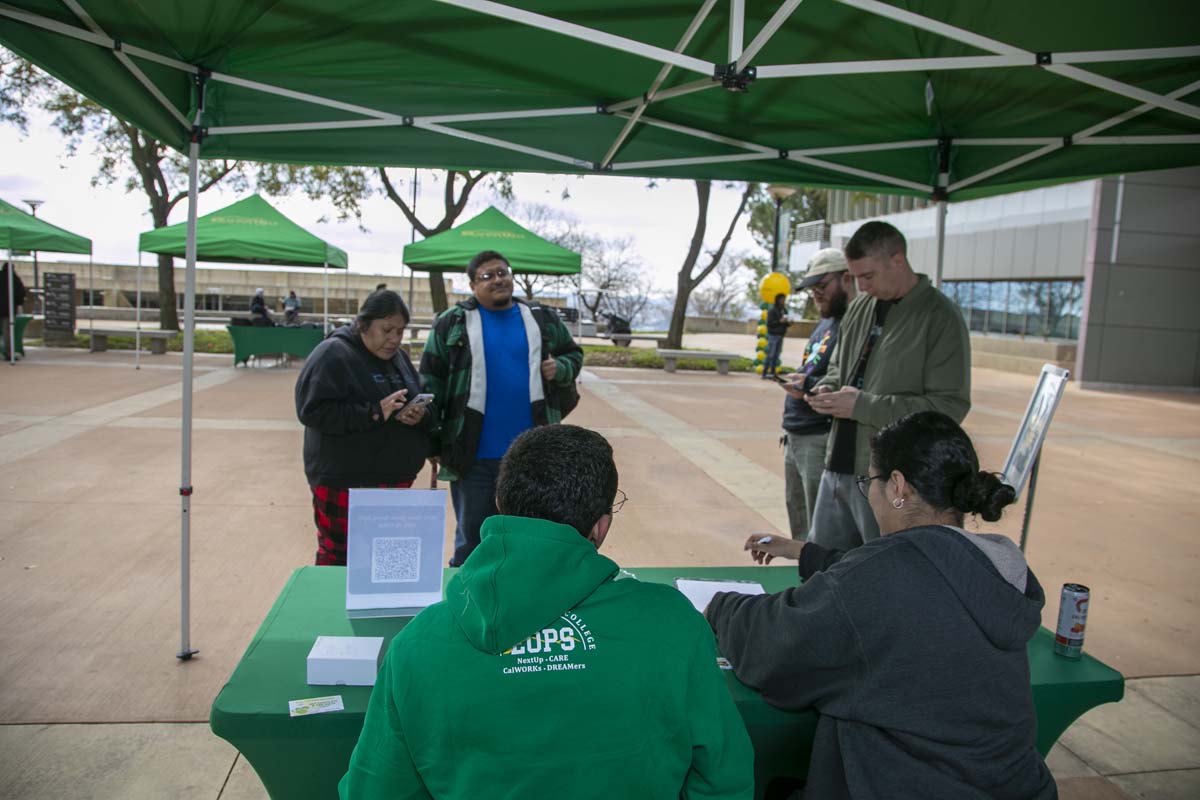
803	463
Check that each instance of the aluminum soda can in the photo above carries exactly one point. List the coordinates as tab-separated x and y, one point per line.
1072	619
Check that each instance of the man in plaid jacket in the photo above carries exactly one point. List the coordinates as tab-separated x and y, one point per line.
491	380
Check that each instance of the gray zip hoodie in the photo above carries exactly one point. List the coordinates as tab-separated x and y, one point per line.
913	649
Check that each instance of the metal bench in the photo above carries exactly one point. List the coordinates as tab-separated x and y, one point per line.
671	358
158	339
623	339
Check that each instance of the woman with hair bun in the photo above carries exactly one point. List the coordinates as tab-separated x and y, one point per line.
913	646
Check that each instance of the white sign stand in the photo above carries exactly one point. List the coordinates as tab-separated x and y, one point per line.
394	551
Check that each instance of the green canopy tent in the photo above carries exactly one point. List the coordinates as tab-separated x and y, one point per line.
931	97
23	231
492	230
250	231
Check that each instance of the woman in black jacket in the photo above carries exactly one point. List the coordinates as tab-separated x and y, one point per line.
363	426
913	647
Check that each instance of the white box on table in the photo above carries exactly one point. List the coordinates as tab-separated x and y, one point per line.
344	660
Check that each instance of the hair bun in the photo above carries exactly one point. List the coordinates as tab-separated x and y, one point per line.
984	494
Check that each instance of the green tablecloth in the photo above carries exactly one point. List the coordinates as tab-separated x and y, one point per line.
305	757
253	341
19	324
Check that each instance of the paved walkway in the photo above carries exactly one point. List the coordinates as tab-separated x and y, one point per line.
89	527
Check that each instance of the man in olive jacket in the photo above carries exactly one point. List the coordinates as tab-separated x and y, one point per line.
902	347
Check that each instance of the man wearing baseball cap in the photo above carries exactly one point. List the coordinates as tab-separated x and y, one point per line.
805	431
903	348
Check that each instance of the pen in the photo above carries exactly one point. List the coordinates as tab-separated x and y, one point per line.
765	540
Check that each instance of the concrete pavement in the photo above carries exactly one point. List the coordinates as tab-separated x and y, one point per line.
89	509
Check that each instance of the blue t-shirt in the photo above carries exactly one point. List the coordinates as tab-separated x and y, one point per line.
507	413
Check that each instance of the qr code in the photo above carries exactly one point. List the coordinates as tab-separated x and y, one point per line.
395	560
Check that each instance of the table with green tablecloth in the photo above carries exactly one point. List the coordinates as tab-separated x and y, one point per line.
305	757
253	340
19	324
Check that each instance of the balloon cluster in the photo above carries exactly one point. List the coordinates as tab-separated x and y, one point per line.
772	284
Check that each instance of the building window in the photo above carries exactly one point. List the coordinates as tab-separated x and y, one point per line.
1049	309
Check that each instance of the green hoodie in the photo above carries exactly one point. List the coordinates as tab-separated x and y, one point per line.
542	675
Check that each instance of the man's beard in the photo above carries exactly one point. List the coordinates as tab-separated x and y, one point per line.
838	304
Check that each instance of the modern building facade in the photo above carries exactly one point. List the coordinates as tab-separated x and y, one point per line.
1111	266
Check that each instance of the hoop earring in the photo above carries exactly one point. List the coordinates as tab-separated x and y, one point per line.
898	502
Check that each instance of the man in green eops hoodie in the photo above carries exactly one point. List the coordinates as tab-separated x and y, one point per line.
544	675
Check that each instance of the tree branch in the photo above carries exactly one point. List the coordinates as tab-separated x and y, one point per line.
720	251
395	197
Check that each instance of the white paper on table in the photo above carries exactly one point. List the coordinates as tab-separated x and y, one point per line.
701	592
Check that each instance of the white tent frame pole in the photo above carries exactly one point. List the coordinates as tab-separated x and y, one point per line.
665	94
773	71
519	148
1063	70
621	166
737	29
1183	138
712	137
11	333
186	651
325	301
137	316
347	124
760	41
91	303
861	173
1058	144
665	70
589	35
941	243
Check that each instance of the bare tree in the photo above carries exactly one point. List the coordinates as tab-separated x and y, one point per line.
610	267
723	298
454	201
686	282
553	225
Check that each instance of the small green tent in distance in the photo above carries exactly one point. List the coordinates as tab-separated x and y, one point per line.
251	231
492	230
20	230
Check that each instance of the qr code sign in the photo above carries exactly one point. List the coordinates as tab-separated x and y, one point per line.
395	560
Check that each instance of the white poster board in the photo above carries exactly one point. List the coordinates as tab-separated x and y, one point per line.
394	551
1031	434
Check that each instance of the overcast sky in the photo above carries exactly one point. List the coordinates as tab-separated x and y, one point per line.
660	219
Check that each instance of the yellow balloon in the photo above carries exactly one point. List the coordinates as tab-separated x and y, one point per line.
762	330
773	284
758	368
763	316
762	342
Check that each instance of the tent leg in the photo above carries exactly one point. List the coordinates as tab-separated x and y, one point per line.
325	303
137	314
91	302
941	243
185	479
10	336
349	310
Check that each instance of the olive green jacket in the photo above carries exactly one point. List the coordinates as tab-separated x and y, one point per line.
922	362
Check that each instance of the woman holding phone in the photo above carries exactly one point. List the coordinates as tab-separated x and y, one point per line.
365	425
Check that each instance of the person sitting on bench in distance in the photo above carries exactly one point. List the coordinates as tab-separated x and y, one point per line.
547	672
912	646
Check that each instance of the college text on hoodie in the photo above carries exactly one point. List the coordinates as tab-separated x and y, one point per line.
913	649
542	675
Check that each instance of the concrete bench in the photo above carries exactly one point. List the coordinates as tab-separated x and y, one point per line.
623	339
158	339
671	358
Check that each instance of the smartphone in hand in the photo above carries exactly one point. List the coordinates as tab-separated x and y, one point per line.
420	401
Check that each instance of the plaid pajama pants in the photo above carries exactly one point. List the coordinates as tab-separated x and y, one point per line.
330	511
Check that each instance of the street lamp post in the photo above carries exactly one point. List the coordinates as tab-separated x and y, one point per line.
33	207
779	194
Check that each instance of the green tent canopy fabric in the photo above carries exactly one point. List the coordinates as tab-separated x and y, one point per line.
492	230
251	231
925	97
20	230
